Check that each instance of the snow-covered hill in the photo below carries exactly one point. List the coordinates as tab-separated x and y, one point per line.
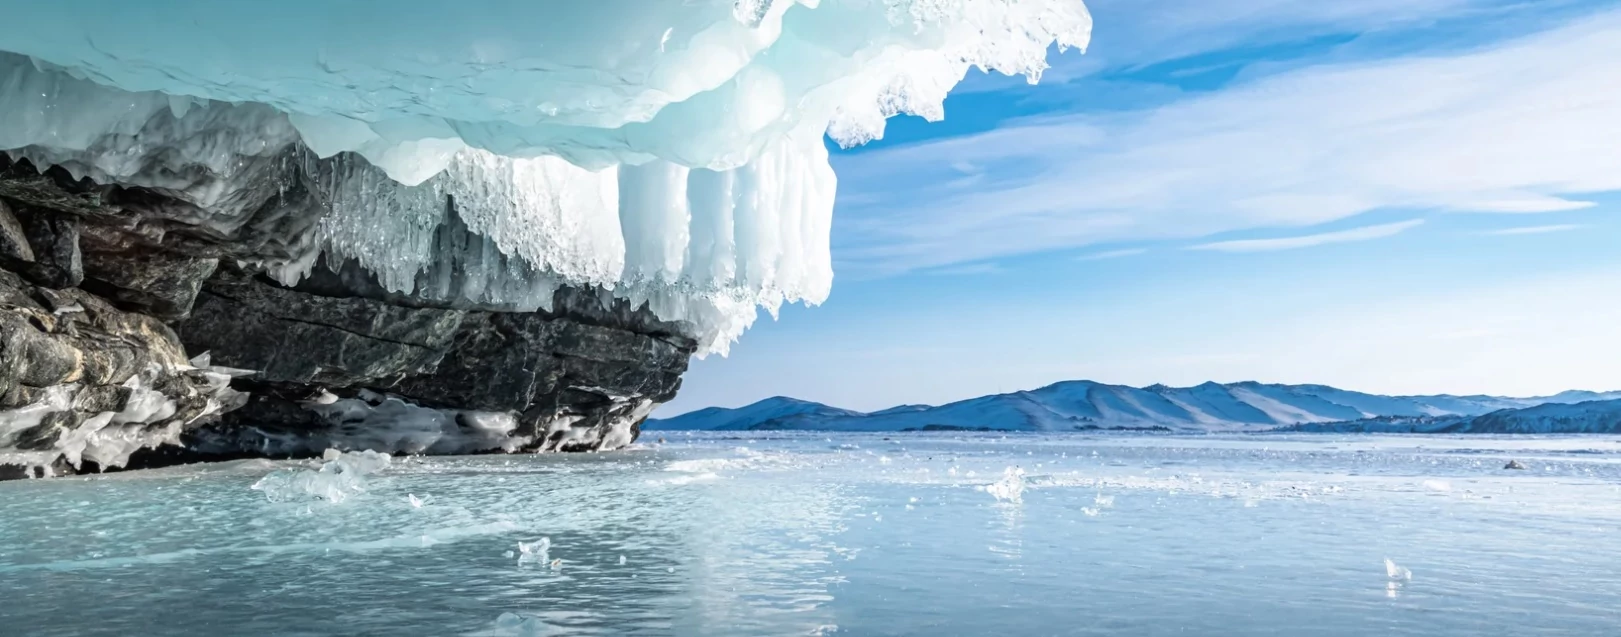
751	416
1595	416
1244	406
1599	416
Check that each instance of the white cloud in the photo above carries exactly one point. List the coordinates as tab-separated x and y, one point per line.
1563	227
967	269
1364	233
1113	254
1520	126
1530	204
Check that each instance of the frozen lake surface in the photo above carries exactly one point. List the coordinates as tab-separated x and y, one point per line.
796	534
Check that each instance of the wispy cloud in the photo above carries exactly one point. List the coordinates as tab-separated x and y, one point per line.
967	269
1112	254
1562	227
1364	233
1135	33
1518	126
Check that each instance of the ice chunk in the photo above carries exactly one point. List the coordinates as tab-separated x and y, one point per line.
1010	488
527	625
363	463
539	552
1396	578
340	476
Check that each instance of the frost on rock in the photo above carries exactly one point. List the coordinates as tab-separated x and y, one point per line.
88	388
147	420
670	153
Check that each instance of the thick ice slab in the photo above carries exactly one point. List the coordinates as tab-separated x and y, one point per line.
671	152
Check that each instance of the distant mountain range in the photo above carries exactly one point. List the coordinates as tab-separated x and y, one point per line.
1211	407
1591	417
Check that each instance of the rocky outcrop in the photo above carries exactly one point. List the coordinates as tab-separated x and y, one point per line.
142	326
85	385
581	377
294	337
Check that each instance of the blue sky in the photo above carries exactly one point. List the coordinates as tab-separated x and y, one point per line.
1402	196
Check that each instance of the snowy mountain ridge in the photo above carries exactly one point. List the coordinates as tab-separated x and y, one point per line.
1588	417
1242	406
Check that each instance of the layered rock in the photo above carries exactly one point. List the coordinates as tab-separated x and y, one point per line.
84	384
145	326
369	374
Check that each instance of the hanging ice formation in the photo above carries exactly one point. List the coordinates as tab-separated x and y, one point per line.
666	152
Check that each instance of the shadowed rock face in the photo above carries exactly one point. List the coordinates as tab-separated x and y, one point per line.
84	384
570	379
138	329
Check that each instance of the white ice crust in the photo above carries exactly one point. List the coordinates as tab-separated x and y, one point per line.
146	420
670	151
